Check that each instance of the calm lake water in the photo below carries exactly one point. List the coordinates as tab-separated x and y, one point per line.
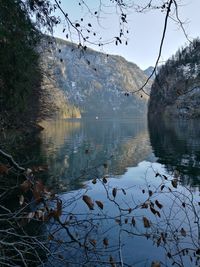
135	158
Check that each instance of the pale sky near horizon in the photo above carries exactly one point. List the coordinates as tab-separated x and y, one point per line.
145	30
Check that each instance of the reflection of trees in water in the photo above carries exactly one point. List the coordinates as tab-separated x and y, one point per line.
177	145
74	148
92	225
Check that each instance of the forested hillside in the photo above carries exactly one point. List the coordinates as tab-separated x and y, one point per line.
176	89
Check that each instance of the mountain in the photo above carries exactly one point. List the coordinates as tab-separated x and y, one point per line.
81	82
176	90
149	71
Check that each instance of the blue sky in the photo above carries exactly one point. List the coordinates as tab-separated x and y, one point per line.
145	30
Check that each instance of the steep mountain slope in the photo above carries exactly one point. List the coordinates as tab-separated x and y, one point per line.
176	89
149	71
89	83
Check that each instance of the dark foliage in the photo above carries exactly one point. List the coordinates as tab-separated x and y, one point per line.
19	60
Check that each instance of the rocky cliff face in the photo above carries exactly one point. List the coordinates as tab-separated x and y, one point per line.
176	89
83	82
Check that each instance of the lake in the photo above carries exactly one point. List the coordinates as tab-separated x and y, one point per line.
140	182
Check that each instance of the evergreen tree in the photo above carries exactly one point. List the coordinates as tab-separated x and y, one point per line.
19	59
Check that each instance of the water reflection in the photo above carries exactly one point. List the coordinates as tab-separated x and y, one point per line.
73	149
77	150
176	143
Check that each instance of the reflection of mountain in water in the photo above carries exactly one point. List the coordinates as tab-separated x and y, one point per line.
177	145
74	149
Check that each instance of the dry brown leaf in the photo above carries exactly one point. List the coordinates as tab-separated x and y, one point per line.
118	221
165	177
144	205
114	192
112	262
174	183
183	232
104	180
93	242
3	169
155	264
150	193
158	204
88	201
105	242
162	187
153	211
99	204
94	181
146	222
183	204
124	192
133	221
158	213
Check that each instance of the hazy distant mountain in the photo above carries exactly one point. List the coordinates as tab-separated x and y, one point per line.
90	83
149	71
